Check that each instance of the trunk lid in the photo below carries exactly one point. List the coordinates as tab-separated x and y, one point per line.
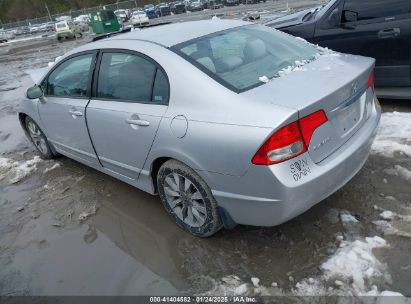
335	83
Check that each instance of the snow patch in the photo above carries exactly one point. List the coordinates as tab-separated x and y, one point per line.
394	135
355	262
387	215
15	171
55	166
296	67
264	79
255	281
351	271
348	218
400	172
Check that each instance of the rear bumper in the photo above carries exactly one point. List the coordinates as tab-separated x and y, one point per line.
140	23
194	9
272	195
65	34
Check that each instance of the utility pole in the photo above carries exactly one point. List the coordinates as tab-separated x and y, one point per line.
48	11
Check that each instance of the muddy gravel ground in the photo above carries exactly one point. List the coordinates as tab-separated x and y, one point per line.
66	229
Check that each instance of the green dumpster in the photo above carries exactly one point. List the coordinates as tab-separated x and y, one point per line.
104	21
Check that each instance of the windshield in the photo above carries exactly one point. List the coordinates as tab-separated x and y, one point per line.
324	8
318	10
245	57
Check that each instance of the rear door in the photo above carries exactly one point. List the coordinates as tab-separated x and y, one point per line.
378	29
130	98
62	108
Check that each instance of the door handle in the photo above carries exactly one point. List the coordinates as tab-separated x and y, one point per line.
138	122
389	33
75	113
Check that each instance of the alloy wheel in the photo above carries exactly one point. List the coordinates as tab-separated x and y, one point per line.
37	137
185	200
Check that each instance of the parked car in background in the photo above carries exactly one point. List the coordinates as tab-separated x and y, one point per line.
67	30
121	15
178	7
46	27
82	18
42	28
9	34
34	29
150	10
195	5
213	4
252	1
163	9
3	37
378	29
22	30
50	26
82	26
139	18
261	147
231	2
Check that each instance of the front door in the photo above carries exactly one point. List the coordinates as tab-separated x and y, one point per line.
378	29
62	108
131	97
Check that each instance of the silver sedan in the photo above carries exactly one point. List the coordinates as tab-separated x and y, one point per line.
229	122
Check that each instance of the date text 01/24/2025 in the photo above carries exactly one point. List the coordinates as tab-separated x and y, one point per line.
204	299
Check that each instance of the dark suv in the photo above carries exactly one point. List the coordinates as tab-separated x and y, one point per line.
178	7
379	29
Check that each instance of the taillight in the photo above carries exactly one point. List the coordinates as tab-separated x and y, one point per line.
310	123
290	141
371	80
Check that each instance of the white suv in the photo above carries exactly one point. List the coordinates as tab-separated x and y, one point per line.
67	29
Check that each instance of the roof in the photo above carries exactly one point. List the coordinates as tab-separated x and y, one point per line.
175	33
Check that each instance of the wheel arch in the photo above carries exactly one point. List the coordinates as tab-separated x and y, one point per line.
22	119
160	159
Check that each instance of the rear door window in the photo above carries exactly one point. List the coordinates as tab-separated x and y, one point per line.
160	89
131	78
372	9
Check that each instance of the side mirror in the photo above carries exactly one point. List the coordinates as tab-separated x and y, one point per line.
350	16
34	92
334	19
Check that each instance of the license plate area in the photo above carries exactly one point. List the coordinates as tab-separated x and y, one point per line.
349	116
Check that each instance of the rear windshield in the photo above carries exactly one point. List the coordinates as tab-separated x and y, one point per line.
242	58
61	25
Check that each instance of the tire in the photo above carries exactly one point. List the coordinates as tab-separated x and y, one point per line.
183	191
38	139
